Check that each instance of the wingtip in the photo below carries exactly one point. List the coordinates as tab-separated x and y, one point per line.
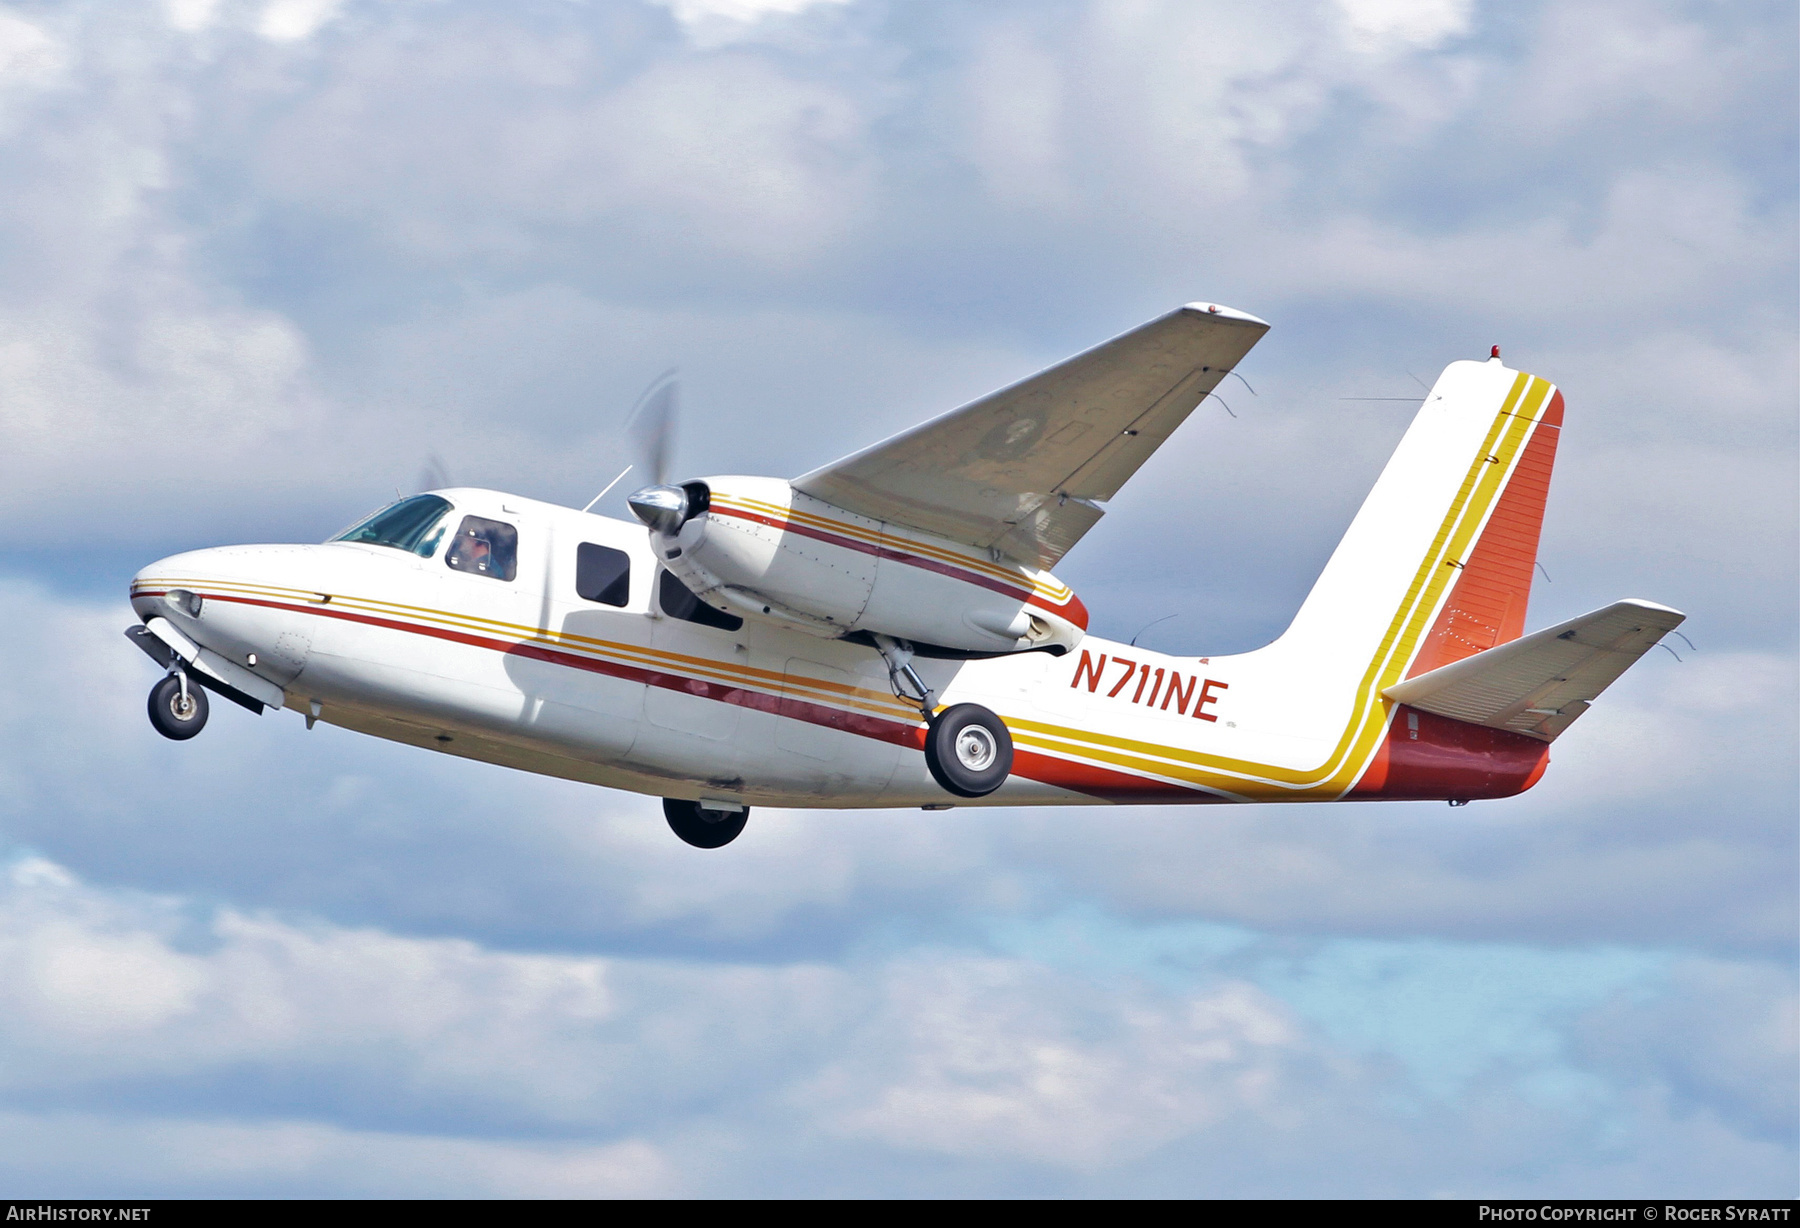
1223	312
1656	607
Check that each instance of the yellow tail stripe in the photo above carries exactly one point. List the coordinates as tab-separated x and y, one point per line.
1462	524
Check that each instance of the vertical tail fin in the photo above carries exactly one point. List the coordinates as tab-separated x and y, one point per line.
1438	563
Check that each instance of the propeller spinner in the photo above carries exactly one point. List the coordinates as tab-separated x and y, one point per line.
663	508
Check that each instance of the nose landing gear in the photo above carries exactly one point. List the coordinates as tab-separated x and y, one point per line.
177	708
703	828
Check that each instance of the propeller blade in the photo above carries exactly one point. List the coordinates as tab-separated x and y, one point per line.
433	475
652	427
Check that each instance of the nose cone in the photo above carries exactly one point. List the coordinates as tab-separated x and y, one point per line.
246	604
663	508
166	587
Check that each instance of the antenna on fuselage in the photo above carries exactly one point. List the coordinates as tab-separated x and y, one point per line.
627	469
651	426
1165	618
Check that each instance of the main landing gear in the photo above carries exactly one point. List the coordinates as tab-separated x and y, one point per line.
701	827
968	750
177	707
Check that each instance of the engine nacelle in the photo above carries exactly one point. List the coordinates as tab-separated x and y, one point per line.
757	548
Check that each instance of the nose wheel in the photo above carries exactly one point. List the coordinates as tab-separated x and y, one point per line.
177	707
969	750
702	828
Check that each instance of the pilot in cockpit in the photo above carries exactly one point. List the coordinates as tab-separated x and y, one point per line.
483	547
479	555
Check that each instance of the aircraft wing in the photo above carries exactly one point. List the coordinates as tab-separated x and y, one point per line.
1538	684
1023	470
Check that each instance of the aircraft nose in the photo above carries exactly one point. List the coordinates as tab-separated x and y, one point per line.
172	585
150	587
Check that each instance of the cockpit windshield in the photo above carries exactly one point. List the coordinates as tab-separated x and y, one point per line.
416	525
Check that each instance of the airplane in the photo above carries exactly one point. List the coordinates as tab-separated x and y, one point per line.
885	631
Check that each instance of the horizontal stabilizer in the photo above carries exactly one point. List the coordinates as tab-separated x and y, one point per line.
1539	684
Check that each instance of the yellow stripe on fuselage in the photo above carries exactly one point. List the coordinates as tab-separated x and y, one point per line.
1218	775
872	702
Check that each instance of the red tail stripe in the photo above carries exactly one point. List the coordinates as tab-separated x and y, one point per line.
1487	604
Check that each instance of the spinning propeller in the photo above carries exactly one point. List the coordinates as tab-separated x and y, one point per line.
663	508
434	475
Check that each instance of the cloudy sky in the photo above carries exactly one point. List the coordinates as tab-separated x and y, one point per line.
260	260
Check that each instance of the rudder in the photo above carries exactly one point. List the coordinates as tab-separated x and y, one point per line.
1487	603
1438	563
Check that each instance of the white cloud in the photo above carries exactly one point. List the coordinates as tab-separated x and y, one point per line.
29	56
285	21
191	16
174	1154
1016	91
990	1059
32	62
302	1056
1409	23
95	395
692	12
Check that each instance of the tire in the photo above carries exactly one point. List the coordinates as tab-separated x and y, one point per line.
704	829
167	713
969	751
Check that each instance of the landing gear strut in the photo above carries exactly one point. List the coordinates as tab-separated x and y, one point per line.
703	828
967	747
177	707
897	656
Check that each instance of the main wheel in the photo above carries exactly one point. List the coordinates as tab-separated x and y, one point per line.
969	750
176	716
704	829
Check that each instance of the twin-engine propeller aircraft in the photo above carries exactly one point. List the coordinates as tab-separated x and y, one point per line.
885	631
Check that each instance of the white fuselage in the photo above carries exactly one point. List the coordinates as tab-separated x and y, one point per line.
527	674
437	644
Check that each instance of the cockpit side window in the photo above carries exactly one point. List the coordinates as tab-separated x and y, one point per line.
415	525
678	601
602	574
484	547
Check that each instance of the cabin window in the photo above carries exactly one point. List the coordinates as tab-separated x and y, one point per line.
602	574
415	525
678	601
484	548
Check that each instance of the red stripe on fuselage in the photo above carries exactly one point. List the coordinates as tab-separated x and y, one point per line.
1098	782
1104	783
1449	758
